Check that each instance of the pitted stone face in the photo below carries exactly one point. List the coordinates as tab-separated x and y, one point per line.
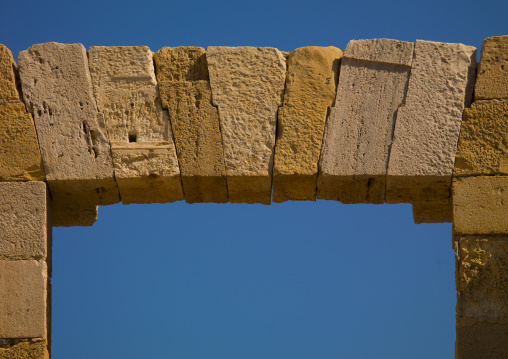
311	81
144	157
247	86
492	75
8	89
184	86
358	135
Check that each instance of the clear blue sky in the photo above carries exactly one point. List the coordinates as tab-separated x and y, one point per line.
294	280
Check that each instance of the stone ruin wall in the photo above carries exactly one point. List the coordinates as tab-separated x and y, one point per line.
383	121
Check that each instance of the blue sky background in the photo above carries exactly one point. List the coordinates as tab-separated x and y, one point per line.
294	280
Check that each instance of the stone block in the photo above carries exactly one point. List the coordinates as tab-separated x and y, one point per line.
433	212
480	205
247	86
311	81
482	276
23	299
184	85
75	149
20	157
481	340
25	350
144	156
358	134
8	89
25	228
483	141
492	77
428	125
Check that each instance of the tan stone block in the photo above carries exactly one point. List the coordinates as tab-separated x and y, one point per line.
184	85
8	90
482	276
25	227
247	86
144	156
428	125
68	212
25	350
23	299
311	81
72	135
481	340
358	134
480	205
492	77
433	212
20	157
483	141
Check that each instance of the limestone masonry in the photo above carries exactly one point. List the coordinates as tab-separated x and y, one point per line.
386	121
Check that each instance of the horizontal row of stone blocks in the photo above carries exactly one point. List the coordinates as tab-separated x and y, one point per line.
229	124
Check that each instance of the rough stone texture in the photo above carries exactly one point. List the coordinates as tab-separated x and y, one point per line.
483	141
144	156
247	86
184	85
20	158
481	340
25	350
492	81
372	86
23	299
427	127
482	276
433	212
480	205
8	90
74	144
24	222
311	81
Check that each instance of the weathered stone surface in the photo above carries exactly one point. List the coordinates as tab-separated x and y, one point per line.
74	144
427	127
480	205
247	86
20	158
481	340
492	77
358	134
482	276
8	90
311	81
483	141
24	222
25	350
433	212
144	157
184	85
23	299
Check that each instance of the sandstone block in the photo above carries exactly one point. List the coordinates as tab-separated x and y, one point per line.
358	134
492	77
184	85
311	81
483	141
25	229
482	276
20	157
480	205
74	144
25	350
481	340
23	299
427	127
433	212
8	90
247	86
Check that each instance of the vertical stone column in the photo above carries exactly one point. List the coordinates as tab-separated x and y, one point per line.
480	212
